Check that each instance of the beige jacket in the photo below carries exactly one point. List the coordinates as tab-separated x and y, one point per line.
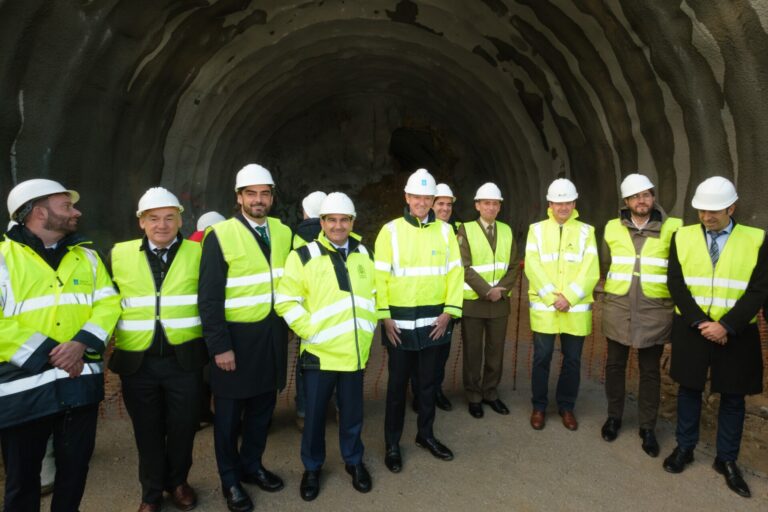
634	319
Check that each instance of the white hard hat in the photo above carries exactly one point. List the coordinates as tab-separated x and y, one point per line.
253	174
312	202
11	224
713	194
337	202
35	189
635	183
158	197
562	190
209	219
443	190
488	191
421	183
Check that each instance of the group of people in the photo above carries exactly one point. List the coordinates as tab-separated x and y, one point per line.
231	295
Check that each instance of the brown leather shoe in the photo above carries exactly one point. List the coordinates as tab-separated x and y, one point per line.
184	497
538	419
569	420
148	507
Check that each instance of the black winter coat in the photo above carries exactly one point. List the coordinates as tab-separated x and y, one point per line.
737	366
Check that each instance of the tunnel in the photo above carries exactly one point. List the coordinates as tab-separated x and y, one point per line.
114	96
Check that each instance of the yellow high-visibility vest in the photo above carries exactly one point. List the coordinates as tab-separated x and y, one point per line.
332	311
251	279
174	305
717	289
653	259
489	265
561	259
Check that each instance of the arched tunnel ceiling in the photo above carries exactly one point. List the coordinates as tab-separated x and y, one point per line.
115	96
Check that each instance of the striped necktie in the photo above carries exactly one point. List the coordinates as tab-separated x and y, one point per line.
714	249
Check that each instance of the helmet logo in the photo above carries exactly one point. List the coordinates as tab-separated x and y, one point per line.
424	183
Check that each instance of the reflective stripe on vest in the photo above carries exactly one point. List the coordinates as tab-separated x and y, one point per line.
489	265
251	279
652	259
175	305
717	290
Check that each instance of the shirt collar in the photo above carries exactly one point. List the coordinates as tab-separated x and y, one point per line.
152	246
254	225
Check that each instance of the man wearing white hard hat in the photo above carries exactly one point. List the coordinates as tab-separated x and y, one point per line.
419	281
562	268
327	296
59	309
637	310
241	266
488	253
205	221
443	208
159	347
718	278
307	231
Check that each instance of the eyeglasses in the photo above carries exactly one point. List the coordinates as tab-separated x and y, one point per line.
641	195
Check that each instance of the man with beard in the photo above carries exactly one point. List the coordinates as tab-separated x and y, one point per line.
637	310
419	281
242	261
58	310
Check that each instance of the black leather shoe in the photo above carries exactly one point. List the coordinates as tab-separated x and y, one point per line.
498	406
361	478
610	429
435	447
267	480
310	485
442	402
237	499
393	460
677	460
650	444
476	409
733	477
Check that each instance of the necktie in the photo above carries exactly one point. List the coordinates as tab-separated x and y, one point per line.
343	253
714	249
161	253
262	232
489	229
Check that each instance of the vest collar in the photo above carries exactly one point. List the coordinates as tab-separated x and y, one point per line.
410	219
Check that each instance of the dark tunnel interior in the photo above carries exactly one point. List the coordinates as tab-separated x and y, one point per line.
114	96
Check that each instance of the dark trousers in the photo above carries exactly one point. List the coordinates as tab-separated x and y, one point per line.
401	365
570	372
349	392
483	356
649	393
74	436
443	351
234	417
730	422
163	401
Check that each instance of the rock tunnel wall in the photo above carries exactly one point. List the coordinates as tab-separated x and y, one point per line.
112	97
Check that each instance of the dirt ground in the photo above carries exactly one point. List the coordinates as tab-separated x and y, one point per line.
500	464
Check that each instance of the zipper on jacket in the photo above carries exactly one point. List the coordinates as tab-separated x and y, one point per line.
354	311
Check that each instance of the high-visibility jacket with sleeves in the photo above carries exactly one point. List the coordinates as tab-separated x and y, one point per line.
561	259
419	276
41	308
251	279
489	265
652	260
329	304
717	289
174	306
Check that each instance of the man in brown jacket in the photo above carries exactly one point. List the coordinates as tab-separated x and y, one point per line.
637	310
490	268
